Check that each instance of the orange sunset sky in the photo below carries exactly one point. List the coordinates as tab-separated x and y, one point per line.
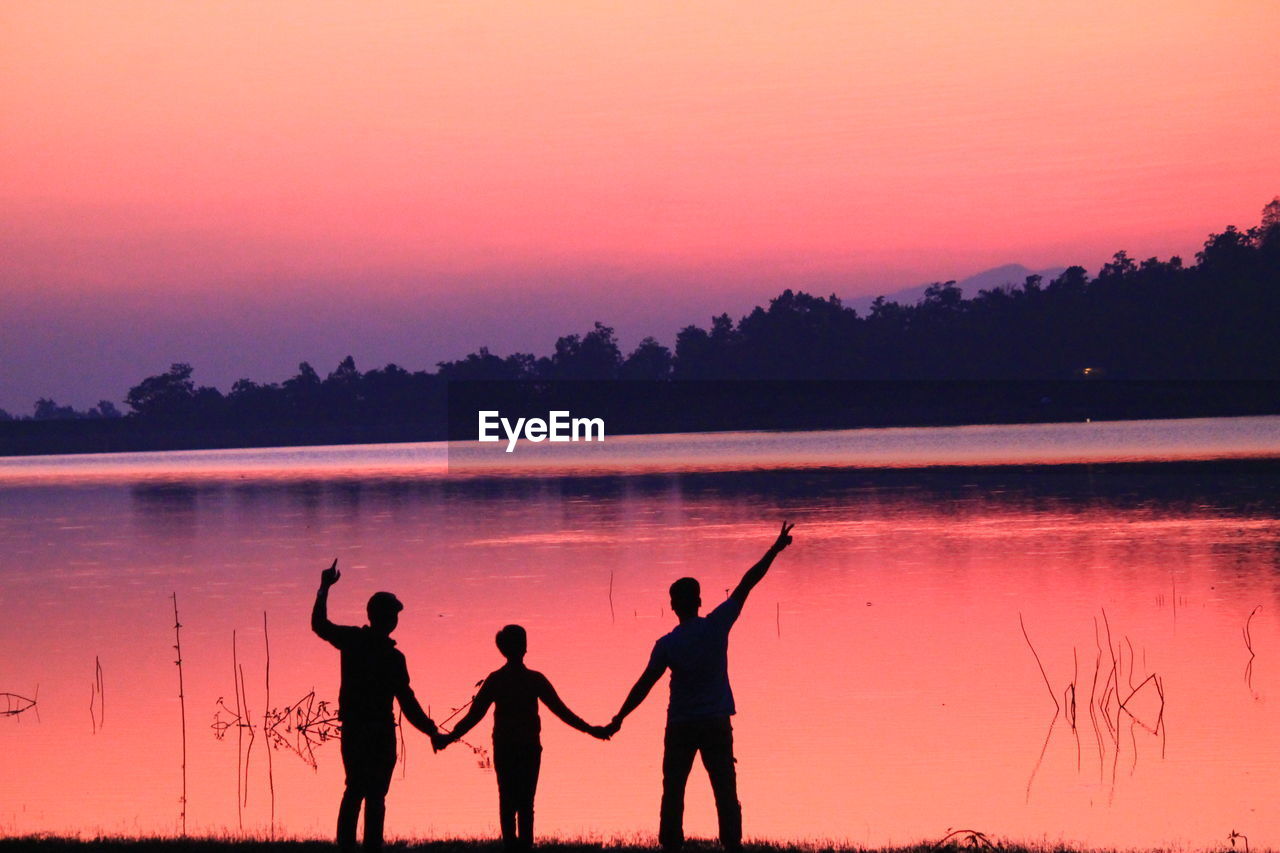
244	185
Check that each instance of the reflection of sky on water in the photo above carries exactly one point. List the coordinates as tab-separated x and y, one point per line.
906	447
885	687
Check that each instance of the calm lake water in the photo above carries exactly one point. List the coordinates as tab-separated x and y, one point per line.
887	671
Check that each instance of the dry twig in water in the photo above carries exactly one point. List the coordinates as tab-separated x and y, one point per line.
309	722
266	705
97	707
15	704
1056	706
1248	644
182	705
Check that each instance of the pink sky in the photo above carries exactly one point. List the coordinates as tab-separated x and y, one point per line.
502	173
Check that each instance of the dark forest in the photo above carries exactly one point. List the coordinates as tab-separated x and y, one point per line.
1136	324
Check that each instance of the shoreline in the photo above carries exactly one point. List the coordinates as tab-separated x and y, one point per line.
872	452
655	409
957	839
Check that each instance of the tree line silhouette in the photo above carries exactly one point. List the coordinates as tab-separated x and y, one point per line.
1216	319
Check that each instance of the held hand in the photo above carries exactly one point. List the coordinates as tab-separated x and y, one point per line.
601	732
330	575
614	726
440	741
784	538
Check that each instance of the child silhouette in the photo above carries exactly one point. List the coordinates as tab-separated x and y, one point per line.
514	692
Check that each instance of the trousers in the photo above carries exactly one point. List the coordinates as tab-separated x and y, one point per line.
713	739
369	758
516	765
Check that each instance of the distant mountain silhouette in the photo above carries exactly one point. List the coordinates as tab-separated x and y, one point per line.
985	280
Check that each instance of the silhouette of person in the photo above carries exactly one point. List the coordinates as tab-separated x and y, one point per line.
514	691
373	673
696	652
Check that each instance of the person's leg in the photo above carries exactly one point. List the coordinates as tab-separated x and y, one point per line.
677	760
716	745
375	816
353	795
348	814
506	769
531	765
382	765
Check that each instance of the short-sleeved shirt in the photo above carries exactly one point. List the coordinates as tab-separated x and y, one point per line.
373	674
697	653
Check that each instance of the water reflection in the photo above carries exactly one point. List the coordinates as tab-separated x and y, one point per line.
887	690
1240	487
170	509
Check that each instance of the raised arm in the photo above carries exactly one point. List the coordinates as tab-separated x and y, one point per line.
552	700
320	611
756	573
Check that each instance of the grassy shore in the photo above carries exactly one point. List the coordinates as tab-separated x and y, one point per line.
53	844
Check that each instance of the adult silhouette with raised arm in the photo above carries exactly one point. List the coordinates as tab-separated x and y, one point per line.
696	652
373	673
514	691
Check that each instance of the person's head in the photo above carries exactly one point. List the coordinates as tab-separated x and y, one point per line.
384	612
513	642
686	597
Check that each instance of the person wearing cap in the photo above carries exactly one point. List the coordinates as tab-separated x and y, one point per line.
373	674
697	653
